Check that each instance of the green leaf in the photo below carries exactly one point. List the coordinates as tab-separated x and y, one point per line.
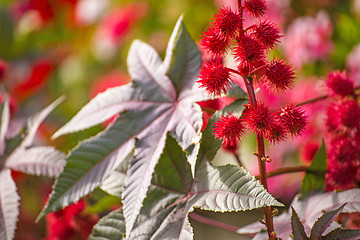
324	222
297	227
237	92
314	179
164	214
183	57
110	227
342	234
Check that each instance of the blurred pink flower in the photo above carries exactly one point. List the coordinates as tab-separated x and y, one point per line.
352	63
114	27
308	39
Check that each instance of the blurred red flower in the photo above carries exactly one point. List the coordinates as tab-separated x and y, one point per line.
70	223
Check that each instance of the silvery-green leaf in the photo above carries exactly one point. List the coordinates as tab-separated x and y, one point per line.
4	124
45	161
9	205
110	227
183	119
114	184
174	193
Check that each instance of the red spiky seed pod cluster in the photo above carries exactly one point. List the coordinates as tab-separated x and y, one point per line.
250	51
267	33
227	22
255	8
251	47
229	128
258	118
275	126
339	84
343	117
279	76
217	38
214	43
292	118
343	133
214	78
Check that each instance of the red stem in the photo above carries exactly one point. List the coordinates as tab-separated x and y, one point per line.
320	98
261	148
284	171
262	164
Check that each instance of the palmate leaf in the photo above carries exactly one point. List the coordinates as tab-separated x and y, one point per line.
309	210
174	192
20	154
9	202
150	106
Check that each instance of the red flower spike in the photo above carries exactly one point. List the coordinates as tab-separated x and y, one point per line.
292	118
258	118
279	76
343	116
228	22
249	51
214	78
341	176
267	33
343	150
276	134
255	8
215	42
228	128
3	70
339	84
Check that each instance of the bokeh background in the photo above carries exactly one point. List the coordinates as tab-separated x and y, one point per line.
78	48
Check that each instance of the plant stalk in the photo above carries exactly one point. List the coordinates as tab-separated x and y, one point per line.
284	170
262	164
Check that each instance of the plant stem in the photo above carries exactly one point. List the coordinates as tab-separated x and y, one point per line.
319	98
212	222
262	164
284	171
312	100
